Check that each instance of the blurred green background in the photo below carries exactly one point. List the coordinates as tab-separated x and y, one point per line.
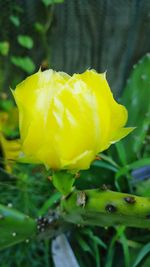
71	36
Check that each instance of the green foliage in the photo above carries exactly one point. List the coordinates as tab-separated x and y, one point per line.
19	39
14	227
143	252
24	63
143	188
135	98
25	40
15	20
50	2
4	48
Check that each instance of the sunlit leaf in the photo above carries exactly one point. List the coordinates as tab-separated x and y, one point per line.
4	48
15	20
50	2
24	63
25	40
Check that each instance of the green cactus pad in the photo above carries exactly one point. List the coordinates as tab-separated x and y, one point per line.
15	227
106	208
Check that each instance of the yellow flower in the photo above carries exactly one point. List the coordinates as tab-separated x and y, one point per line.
66	120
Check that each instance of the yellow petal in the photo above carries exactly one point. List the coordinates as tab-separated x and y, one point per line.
121	133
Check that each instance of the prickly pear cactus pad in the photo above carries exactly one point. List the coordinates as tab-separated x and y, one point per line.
106	208
15	227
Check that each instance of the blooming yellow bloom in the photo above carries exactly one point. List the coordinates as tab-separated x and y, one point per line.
66	120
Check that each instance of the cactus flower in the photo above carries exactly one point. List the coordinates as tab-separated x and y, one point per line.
66	120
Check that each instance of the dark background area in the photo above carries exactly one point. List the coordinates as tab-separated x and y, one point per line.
101	34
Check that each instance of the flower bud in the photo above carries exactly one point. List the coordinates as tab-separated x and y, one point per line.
66	120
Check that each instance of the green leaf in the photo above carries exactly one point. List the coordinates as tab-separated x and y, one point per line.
111	248
84	245
108	159
143	188
103	164
50	2
15	20
25	40
15	227
139	163
143	252
24	63
4	48
135	96
121	152
125	250
63	181
95	238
